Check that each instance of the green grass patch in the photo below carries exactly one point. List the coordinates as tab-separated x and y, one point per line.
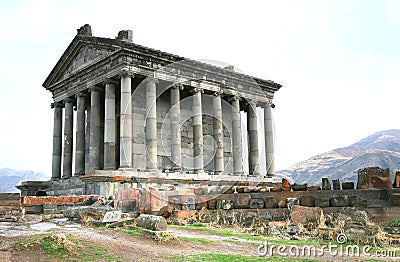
232	257
66	248
131	232
394	223
229	233
196	239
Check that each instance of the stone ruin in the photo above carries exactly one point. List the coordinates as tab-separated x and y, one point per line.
160	134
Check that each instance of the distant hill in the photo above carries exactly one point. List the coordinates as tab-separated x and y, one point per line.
380	149
10	178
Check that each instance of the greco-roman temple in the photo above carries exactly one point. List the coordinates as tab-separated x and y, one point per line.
130	116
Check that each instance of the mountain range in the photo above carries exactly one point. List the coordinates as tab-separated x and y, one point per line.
381	149
10	178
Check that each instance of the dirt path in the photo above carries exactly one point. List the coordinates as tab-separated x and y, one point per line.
139	248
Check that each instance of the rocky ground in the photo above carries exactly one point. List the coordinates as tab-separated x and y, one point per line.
19	242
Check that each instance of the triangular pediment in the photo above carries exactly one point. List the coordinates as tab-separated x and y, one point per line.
85	56
80	54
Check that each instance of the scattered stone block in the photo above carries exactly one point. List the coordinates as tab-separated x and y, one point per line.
292	229
396	183
313	188
270	202
200	191
224	204
326	184
112	216
256	203
322	202
341	201
395	200
189	204
82	211
228	190
282	204
374	177
299	187
240	189
357	201
347	185
242	201
307	201
336	184
151	222
212	203
304	215
291	201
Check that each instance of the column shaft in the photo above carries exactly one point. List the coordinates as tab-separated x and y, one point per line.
126	121
87	141
175	119
68	138
198	132
218	135
57	142
269	141
109	127
236	137
253	140
95	129
80	136
151	125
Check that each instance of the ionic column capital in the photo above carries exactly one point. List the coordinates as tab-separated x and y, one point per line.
218	93
69	100
125	72
151	80
109	81
179	86
198	89
56	104
95	88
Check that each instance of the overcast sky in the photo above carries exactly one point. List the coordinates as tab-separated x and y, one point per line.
338	62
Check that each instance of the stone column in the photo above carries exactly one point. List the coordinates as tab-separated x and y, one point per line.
68	137
198	131
87	141
80	135
253	139
237	137
109	127
126	120
175	119
151	124
218	134
57	141
269	141
95	129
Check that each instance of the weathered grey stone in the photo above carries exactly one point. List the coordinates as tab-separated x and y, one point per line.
256	203
150	222
80	212
340	201
336	184
270	202
357	201
326	184
347	185
321	202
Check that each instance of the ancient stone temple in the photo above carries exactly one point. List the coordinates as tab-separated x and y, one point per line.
128	113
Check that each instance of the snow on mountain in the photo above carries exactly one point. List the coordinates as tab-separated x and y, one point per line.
10	178
380	149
